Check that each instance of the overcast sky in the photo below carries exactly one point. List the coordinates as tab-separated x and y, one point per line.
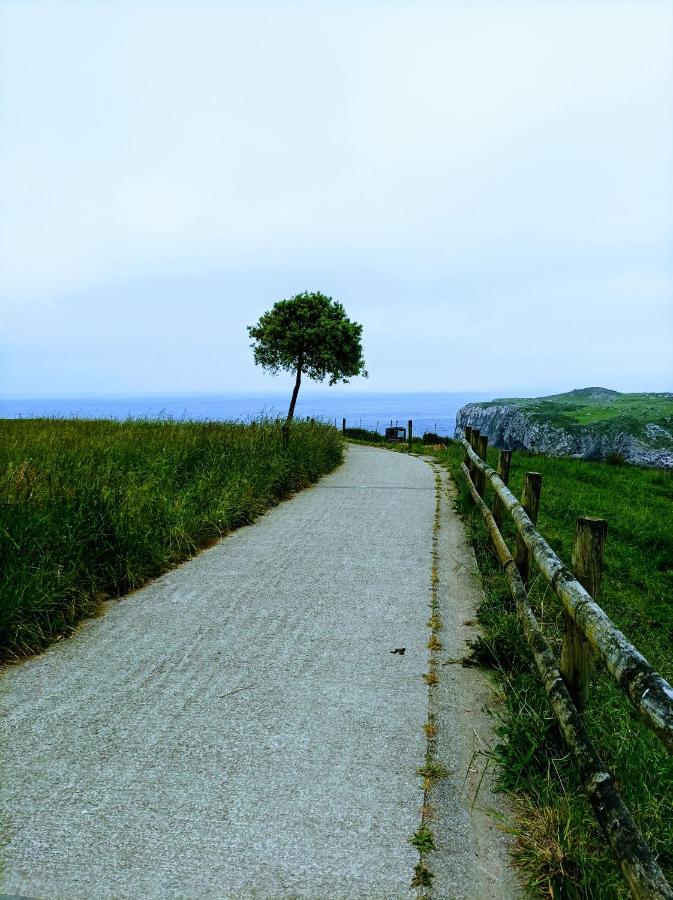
486	186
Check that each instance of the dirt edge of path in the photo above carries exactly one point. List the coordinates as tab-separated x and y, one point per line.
466	817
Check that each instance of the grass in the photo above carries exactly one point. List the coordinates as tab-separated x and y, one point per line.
646	407
558	844
93	509
423	840
432	771
607	412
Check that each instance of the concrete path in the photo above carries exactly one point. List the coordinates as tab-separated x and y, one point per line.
240	727
472	855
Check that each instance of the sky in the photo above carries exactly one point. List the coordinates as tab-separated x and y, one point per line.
486	186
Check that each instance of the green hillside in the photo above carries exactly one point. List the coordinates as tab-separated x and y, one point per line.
589	423
593	405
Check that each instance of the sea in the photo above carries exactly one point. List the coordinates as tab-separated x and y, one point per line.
429	411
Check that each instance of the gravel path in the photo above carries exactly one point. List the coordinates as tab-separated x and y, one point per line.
239	727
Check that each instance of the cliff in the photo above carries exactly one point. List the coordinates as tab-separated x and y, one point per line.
589	423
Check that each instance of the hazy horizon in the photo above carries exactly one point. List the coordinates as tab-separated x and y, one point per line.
310	388
487	187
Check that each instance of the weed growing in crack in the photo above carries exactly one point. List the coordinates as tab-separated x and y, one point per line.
432	770
422	876
423	840
434	643
430	729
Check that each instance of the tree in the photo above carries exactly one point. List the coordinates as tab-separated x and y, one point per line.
309	334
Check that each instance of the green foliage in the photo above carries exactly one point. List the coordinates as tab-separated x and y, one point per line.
91	509
310	333
430	437
607	412
558	844
432	770
363	434
422	876
423	840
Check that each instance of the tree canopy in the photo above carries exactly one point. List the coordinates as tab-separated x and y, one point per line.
308	334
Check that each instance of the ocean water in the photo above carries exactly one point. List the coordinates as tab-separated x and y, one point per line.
428	411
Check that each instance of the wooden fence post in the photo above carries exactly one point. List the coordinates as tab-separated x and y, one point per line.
474	439
482	450
286	436
468	438
410	431
530	500
343	427
504	464
576	656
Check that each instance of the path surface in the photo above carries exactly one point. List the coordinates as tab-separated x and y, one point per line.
472	858
239	727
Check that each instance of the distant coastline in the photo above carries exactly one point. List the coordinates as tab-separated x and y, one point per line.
429	411
586	423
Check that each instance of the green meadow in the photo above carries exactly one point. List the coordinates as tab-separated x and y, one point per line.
92	509
559	847
609	412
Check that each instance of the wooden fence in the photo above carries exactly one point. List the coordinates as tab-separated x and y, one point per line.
587	632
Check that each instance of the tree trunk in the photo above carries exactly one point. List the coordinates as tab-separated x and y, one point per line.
290	412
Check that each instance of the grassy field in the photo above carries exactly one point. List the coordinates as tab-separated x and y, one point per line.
559	846
606	411
92	509
642	407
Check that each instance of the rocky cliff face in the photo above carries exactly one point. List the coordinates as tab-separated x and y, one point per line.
508	426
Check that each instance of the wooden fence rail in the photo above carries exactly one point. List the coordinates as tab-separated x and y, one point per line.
586	626
651	695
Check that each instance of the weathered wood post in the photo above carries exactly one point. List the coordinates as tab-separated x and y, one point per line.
530	500
482	449
576	656
504	464
286	436
410	431
343	427
468	438
474	438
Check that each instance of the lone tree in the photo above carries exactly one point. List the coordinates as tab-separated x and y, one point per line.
309	334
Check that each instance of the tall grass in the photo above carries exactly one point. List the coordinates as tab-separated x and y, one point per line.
559	846
92	509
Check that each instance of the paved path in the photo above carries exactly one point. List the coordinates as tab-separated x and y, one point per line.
472	856
240	728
